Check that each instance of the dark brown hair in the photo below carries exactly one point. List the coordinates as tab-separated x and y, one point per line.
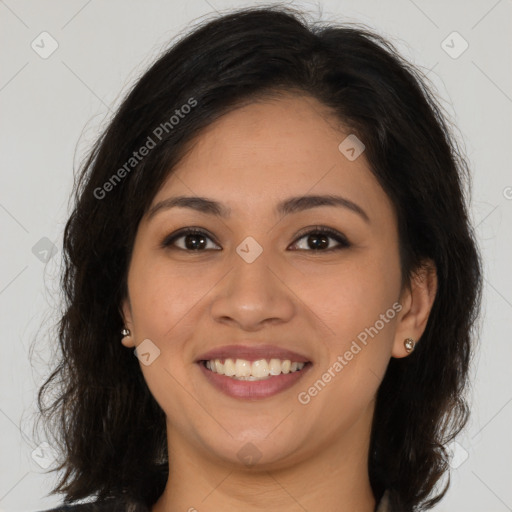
105	420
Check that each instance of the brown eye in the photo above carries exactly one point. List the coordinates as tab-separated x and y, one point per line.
318	239
193	240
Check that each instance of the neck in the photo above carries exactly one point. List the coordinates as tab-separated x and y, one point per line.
333	477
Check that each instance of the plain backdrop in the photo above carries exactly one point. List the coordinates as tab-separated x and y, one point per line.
65	67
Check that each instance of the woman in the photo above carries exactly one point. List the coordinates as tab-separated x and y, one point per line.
274	224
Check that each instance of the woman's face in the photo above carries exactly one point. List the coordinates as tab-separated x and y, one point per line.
254	279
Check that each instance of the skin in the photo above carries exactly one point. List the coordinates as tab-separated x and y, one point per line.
312	456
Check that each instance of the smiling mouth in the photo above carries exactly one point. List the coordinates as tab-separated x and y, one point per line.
261	369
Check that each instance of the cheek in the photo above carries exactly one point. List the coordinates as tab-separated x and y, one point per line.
163	294
163	299
351	296
356	303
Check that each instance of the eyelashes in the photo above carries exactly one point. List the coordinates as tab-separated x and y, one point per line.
198	244
325	233
169	241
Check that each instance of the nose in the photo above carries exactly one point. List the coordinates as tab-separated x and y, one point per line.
253	294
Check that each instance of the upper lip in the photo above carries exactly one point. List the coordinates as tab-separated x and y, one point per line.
252	353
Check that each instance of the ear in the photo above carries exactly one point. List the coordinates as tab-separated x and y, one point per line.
417	299
126	313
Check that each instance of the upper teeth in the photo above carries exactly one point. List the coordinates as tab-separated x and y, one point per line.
243	369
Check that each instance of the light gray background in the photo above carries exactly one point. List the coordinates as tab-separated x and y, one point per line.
52	110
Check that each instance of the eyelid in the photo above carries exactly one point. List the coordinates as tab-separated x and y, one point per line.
333	233
340	238
168	240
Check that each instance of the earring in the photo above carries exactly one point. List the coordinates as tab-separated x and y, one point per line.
409	345
125	332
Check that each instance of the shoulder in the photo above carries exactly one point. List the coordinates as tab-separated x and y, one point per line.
110	505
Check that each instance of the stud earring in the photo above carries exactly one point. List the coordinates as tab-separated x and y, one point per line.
125	332
409	345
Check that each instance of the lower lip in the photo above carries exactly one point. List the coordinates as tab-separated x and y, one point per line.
255	389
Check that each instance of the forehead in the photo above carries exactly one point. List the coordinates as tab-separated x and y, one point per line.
272	149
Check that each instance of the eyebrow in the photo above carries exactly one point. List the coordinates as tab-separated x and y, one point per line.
290	205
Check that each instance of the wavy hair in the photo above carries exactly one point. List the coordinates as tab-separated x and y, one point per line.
101	413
